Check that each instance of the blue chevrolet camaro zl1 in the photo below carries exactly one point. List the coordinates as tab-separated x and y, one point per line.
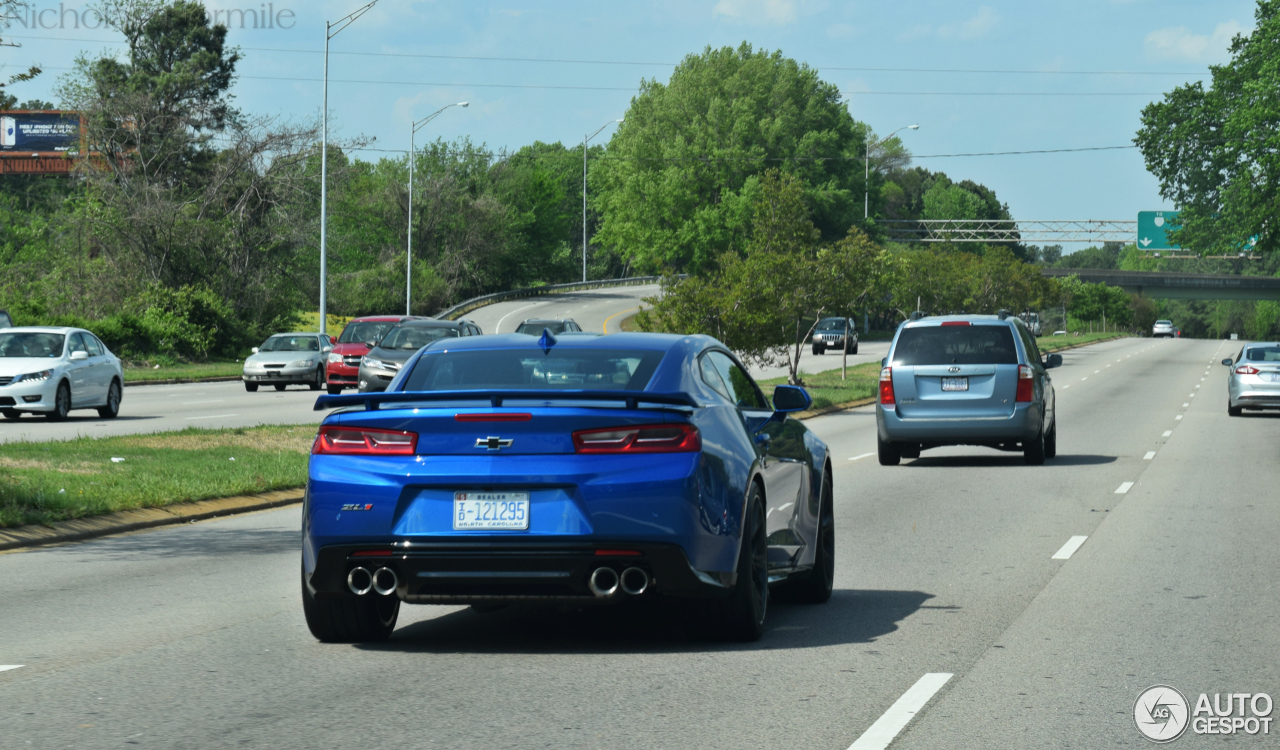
589	469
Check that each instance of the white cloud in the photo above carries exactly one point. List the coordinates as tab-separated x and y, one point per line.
975	27
1179	43
767	12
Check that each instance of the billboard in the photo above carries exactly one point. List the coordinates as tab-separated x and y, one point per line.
25	133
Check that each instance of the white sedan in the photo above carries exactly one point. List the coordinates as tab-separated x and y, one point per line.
54	370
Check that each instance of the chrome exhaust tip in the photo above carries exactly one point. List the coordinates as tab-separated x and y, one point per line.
603	582
360	581
635	581
385	581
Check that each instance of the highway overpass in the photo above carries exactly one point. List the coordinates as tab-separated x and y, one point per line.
1162	284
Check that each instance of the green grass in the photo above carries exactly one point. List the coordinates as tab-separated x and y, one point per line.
170	372
827	389
49	482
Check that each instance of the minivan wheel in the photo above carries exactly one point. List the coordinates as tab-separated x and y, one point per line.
1033	450
890	454
910	450
1051	441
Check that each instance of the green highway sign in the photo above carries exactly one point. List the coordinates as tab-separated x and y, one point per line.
1153	227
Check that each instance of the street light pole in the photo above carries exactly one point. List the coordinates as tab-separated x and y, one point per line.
866	169
414	127
330	31
584	195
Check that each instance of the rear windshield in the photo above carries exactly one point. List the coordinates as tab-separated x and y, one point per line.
1164	322
535	329
567	369
363	333
1263	354
955	345
415	337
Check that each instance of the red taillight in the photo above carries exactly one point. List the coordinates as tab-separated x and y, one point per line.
647	438
618	553
1247	370
886	386
364	441
508	417
1026	384
955	323
373	553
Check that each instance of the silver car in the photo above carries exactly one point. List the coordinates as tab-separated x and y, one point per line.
1163	328
54	370
1254	382
288	359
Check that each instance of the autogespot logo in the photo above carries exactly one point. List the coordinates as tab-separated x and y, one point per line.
1162	714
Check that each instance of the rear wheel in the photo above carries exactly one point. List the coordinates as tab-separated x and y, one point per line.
61	403
1051	441
350	618
815	588
111	409
1033	450
890	454
1234	411
910	450
740	615
251	387
280	386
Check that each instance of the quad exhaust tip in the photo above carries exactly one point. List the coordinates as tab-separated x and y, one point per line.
385	581
603	582
635	581
360	581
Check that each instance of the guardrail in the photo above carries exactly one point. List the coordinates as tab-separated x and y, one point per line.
466	306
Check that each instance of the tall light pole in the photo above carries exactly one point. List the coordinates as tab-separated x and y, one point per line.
584	195
414	127
866	176
330	31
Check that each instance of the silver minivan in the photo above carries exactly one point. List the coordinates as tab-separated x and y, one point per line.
966	380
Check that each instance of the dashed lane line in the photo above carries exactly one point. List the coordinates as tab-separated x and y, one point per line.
1150	455
1167	433
1124	488
1179	417
880	734
864	455
1069	548
7	667
212	416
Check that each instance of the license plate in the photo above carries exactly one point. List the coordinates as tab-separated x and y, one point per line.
955	384
490	510
1274	377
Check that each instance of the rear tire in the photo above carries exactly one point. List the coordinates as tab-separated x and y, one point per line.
111	409
910	450
61	404
1033	450
890	454
350	618
815	588
1234	411
740	615
1051	441
251	387
280	386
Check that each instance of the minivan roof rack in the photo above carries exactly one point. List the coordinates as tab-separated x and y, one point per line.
917	314
1003	314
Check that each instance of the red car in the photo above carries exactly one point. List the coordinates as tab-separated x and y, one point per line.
343	369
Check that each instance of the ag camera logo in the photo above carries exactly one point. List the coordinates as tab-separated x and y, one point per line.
1162	714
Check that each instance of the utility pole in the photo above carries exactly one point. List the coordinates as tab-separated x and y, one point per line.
584	196
866	169
414	127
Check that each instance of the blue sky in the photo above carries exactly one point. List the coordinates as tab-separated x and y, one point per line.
1158	44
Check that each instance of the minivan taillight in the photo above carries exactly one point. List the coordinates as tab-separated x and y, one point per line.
644	438
1246	370
1026	384
364	441
886	386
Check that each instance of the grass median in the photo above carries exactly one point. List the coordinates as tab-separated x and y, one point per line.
827	389
182	372
49	482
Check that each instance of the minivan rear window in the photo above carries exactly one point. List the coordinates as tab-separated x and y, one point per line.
519	369
955	345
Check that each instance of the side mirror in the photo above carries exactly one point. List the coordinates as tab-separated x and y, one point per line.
254	350
1228	362
326	350
79	356
371	344
333	340
1052	361
789	398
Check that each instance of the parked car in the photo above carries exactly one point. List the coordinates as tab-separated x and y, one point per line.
597	469
288	359
1164	328
966	380
5	320
557	326
357	338
52	371
383	362
830	332
1254	382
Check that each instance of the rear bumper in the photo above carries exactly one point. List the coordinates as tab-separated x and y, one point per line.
281	375
1024	424
1269	399
546	570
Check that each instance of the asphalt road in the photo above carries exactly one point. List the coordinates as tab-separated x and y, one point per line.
193	636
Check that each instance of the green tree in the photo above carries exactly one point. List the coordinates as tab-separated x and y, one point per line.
1216	151
680	179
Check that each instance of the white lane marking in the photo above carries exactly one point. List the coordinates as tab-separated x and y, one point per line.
1191	395
193	403
7	667
1197	387
211	416
498	327
864	455
880	734
1184	406
1108	365
1095	372
1150	455
1065	387
1179	416
1167	433
1124	488
1086	377
1069	548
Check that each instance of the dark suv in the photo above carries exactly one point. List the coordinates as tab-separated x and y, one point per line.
383	362
829	334
966	380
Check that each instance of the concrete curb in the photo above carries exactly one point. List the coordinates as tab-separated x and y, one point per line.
179	381
142	518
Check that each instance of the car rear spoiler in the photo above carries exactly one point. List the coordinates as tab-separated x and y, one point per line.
633	399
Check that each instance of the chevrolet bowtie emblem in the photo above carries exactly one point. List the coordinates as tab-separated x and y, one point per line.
493	443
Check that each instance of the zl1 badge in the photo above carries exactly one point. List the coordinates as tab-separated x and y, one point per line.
358	506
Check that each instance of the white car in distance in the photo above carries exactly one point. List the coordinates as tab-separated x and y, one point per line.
51	371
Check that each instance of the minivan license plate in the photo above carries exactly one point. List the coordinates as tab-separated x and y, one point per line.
955	384
490	510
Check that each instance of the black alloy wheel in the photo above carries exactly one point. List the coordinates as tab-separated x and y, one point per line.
61	403
349	618
319	382
740	615
251	387
111	409
11	413
816	587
